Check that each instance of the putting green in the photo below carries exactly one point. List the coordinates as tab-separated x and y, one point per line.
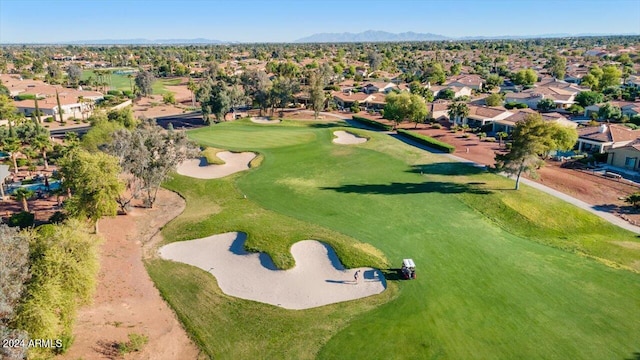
482	291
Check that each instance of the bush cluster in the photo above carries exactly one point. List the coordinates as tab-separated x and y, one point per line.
428	141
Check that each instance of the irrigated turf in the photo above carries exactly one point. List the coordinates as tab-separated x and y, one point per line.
123	82
501	274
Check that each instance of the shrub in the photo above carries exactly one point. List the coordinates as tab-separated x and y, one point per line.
48	119
22	219
127	93
466	136
428	141
372	123
135	343
58	217
115	92
490	139
436	126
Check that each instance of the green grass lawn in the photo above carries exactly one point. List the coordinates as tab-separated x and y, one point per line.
122	82
501	274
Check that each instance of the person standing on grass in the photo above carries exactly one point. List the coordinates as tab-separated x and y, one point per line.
356	275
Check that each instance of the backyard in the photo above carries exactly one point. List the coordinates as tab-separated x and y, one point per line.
502	274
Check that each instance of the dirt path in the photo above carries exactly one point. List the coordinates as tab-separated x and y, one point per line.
126	300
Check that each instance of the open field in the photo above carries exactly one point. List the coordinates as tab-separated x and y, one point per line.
122	82
489	285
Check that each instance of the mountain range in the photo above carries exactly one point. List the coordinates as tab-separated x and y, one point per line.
383	36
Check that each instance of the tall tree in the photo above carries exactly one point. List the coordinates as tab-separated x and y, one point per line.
316	93
149	154
23	195
93	181
258	86
557	66
532	139
375	60
457	111
60	111
42	142
191	85
405	106
525	77
144	82
75	74
610	76
12	145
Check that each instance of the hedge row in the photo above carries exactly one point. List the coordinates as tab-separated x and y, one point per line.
372	123
428	141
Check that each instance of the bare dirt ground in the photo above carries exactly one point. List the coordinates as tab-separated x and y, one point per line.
152	107
126	300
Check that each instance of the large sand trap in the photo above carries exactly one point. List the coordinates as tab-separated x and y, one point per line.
233	163
317	279
264	120
346	138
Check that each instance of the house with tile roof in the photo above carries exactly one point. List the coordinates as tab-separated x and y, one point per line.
508	124
605	137
482	115
626	157
471	81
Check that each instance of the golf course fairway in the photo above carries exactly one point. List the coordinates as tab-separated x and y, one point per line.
502	274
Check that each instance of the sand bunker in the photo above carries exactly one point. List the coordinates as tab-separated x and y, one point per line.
317	279
346	138
234	162
264	120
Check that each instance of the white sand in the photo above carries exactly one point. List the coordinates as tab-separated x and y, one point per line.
264	120
234	162
346	138
317	279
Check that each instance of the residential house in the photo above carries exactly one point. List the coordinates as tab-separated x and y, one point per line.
625	157
482	115
508	124
376	87
345	100
630	110
633	81
562	93
471	81
439	109
604	137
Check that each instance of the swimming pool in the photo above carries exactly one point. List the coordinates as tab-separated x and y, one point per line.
53	185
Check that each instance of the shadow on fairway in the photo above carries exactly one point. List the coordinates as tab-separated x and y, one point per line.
408	188
392	274
327	125
447	168
634	356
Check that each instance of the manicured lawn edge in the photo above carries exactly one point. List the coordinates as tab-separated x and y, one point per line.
428	141
371	123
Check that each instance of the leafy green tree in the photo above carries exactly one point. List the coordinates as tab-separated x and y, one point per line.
257	85
532	139
525	77
557	66
144	83
191	85
92	179
446	94
588	98
355	107
501	136
434	73
169	98
493	81
575	109
455	69
64	267
405	106
590	81
494	100
610	76
546	105
609	112
316	93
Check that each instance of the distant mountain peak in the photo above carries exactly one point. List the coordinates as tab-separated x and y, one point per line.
370	36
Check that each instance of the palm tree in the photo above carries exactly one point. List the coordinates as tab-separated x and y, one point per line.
42	143
501	135
23	194
458	110
191	85
12	145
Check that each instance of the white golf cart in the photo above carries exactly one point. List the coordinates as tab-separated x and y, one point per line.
408	269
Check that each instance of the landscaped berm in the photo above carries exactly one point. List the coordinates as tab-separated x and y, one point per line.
503	274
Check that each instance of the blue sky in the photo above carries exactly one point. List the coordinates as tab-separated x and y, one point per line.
26	21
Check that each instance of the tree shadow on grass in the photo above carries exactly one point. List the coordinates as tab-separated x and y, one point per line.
448	168
392	274
395	188
634	356
327	125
